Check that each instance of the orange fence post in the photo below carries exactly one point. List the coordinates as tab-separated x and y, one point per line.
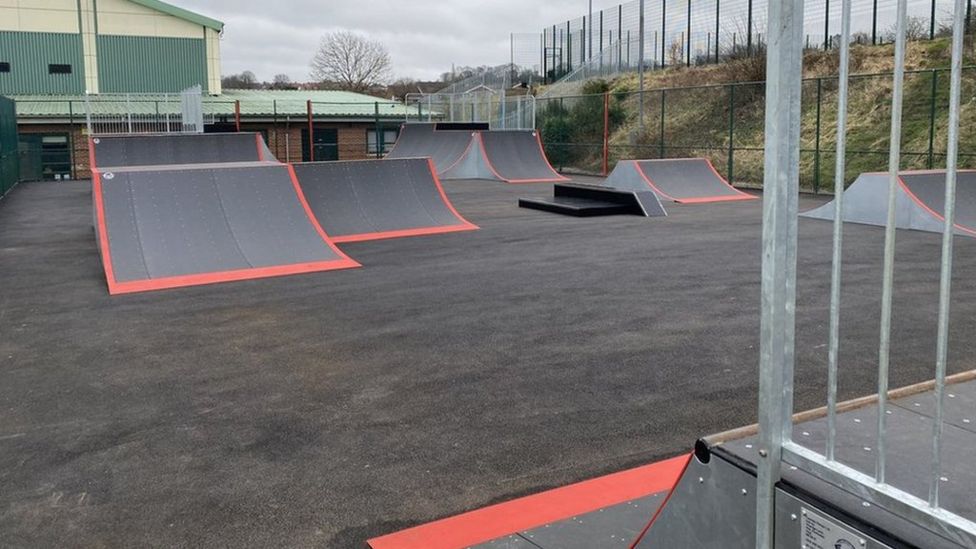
237	114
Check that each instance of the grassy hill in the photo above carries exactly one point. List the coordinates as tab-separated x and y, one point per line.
699	111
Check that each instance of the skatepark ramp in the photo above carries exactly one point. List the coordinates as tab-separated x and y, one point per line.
374	199
174	226
444	147
114	151
681	180
512	156
919	202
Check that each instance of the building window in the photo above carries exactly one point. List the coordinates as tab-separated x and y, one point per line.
58	69
389	138
4	66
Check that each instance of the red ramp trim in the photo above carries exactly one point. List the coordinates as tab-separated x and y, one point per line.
701	199
914	198
542	152
116	287
536	510
464	225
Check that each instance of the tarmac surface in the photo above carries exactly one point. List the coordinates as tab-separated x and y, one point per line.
450	372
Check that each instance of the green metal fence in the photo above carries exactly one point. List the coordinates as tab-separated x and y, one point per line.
9	160
725	124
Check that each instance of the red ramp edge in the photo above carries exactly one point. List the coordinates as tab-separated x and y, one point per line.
116	288
494	521
464	225
700	199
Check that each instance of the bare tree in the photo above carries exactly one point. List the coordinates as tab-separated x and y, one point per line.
282	82
244	81
355	63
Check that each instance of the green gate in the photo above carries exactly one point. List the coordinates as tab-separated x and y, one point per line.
9	163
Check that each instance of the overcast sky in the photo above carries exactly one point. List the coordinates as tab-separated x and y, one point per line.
423	37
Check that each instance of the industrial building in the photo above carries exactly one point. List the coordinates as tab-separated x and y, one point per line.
57	55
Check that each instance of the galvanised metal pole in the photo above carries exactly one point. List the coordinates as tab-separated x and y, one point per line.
945	276
780	191
887	280
840	167
606	132
688	26
620	35
378	130
640	65
589	57
932	22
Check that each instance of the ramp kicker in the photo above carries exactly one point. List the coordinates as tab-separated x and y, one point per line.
512	156
444	147
681	180
373	199
181	226
919	202
114	151
580	200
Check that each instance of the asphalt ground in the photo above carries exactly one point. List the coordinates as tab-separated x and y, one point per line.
449	372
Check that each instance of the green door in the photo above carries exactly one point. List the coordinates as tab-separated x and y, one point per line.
326	144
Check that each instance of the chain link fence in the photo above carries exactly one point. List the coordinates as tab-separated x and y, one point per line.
724	123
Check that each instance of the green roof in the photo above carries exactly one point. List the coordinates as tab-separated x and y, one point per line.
181	13
254	104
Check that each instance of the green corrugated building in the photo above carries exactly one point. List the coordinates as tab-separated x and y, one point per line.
106	46
55	54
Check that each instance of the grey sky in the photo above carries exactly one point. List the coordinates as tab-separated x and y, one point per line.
423	36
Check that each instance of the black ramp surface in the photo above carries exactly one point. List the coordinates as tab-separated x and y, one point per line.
866	202
444	147
171	223
113	151
688	180
372	199
517	156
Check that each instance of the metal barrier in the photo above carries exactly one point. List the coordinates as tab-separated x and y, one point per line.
776	447
158	113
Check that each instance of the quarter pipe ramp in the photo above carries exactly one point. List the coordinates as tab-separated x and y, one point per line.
681	180
374	199
919	202
114	151
512	156
182	226
444	147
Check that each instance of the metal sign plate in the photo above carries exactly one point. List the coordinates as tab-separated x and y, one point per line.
818	531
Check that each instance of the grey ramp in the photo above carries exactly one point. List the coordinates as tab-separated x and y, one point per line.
688	179
112	151
929	187
369	197
444	147
866	202
172	223
473	164
517	156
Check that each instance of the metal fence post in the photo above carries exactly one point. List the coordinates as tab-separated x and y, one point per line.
664	32
932	22
663	118
378	130
688	26
606	132
237	115
731	169
874	23
826	27
640	66
816	153
717	28
932	108
749	29
311	133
